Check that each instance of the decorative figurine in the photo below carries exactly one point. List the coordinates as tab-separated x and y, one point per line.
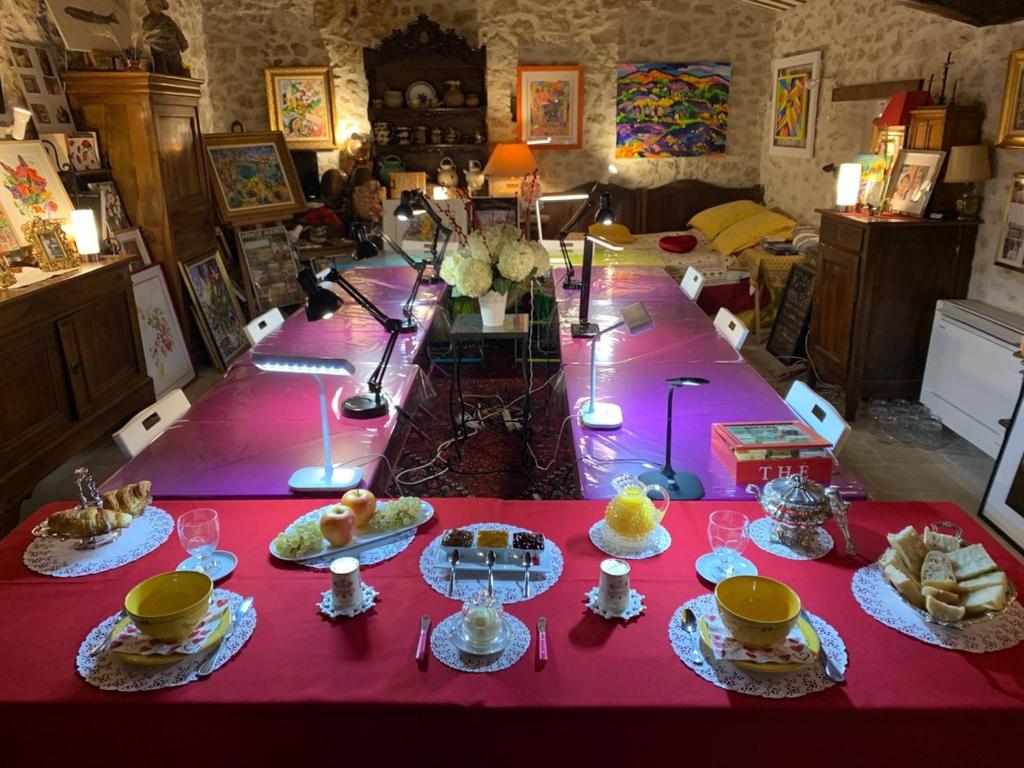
166	42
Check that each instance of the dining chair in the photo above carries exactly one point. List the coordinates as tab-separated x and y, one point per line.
692	283
731	327
818	414
150	422
263	325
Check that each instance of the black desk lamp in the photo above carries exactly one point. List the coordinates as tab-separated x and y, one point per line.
409	320
414	203
680	485
605	215
320	303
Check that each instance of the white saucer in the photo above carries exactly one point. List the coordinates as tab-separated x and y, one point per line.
224	563
499	644
710	568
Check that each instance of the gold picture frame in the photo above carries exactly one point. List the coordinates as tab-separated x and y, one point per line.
1011	120
51	249
7	278
300	104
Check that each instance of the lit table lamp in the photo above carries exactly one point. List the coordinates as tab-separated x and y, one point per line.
320	302
968	165
414	203
680	485
606	415
604	215
327	477
848	186
83	227
512	163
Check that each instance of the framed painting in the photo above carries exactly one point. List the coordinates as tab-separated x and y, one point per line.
220	319
84	151
671	110
30	187
270	267
254	177
8	240
115	218
1010	253
1011	121
1002	507
51	249
795	105
35	72
913	179
92	25
300	103
133	245
163	344
549	105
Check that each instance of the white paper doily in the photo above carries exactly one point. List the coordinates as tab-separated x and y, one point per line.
367	557
880	602
660	541
770	685
109	673
817	547
634	607
505	590
326	604
51	557
450	656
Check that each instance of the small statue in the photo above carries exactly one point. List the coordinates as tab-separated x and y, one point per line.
166	42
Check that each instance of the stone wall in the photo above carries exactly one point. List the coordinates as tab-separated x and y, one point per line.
864	41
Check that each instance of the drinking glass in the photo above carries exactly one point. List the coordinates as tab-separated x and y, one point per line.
199	533
728	534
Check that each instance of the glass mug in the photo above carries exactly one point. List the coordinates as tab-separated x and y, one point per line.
631	514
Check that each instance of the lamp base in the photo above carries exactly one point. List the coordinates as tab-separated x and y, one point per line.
603	416
572	284
365	407
313	479
584	330
431	279
409	325
684	486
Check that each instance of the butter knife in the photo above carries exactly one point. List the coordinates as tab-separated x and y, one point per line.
421	644
831	670
542	639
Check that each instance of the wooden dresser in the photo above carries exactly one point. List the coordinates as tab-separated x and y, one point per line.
149	134
72	370
875	290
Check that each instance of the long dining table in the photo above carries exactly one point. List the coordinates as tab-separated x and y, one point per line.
306	689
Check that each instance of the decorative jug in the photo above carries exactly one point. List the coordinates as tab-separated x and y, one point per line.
447	174
389	165
799	506
453	95
474	174
631	515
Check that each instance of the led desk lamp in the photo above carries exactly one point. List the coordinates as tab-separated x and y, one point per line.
584	328
680	485
608	415
327	477
414	203
605	215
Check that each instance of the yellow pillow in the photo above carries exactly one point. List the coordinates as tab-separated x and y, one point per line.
749	232
618	234
712	221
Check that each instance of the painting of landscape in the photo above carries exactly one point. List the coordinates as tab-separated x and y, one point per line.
250	176
672	110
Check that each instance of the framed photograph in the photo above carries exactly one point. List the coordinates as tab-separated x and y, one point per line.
115	218
253	177
163	344
30	187
493	211
1010	253
51	249
36	74
220	319
416	235
913	179
270	268
1011	121
549	104
133	245
84	151
1002	507
872	179
300	104
795	105
89	25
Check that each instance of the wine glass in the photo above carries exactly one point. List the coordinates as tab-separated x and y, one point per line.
199	533
728	534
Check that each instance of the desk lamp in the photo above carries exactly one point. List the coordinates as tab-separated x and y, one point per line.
605	215
320	302
414	203
409	320
680	485
327	477
584	328
609	415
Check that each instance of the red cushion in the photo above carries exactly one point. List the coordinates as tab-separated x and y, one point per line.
678	243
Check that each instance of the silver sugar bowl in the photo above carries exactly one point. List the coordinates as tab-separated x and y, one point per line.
798	506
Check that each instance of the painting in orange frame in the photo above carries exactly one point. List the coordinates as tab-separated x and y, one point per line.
550	106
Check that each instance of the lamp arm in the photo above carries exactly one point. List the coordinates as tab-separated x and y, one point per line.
376	382
667	470
375	312
411	301
400	251
324	426
570	225
439	227
588	261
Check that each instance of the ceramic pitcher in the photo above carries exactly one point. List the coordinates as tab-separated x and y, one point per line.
474	174
447	174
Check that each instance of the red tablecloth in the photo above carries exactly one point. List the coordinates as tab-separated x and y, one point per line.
309	690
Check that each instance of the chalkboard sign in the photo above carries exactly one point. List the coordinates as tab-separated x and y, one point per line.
794	317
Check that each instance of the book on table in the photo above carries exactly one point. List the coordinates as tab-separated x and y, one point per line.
757	452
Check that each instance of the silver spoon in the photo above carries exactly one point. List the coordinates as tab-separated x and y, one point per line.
453	558
689	622
101	647
527	562
490	572
207	667
831	670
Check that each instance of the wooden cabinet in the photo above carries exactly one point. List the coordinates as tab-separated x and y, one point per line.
149	133
942	127
72	369
875	290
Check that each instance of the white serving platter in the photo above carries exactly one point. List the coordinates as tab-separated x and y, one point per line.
508	562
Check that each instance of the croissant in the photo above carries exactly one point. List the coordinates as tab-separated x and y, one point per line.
131	499
87	522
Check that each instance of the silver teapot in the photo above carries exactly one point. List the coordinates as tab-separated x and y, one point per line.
799	506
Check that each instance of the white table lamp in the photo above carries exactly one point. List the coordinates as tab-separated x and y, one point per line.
594	414
848	185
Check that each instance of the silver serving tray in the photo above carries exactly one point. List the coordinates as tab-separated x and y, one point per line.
82	543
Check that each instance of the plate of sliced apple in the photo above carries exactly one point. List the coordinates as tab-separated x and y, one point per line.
358	523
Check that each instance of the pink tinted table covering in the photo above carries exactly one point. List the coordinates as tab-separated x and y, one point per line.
627	284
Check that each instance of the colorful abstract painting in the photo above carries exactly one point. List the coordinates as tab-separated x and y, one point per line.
220	318
672	110
300	105
794	105
550	104
250	176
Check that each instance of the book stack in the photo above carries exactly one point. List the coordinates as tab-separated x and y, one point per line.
757	452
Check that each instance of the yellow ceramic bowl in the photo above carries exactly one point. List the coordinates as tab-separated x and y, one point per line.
168	606
757	611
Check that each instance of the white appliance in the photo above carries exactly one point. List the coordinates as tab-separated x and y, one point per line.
972	379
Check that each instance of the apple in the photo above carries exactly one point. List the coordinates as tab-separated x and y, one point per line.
338	525
362	503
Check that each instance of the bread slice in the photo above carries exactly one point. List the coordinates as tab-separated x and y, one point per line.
905	586
938	572
893	558
941	594
910	547
987	599
970	562
941	541
993	579
944	611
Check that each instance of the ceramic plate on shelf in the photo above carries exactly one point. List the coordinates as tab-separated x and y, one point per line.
810	636
421	92
156	660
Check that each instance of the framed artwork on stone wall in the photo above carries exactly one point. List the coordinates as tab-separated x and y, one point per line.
549	103
89	25
300	103
1011	122
795	105
1010	253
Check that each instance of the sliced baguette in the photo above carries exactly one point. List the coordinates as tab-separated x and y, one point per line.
911	548
905	586
970	562
937	572
993	579
944	611
941	594
987	599
941	541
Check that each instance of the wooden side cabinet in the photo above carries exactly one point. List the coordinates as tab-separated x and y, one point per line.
73	368
875	290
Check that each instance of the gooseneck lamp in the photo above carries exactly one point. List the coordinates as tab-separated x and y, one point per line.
605	415
605	215
680	485
414	203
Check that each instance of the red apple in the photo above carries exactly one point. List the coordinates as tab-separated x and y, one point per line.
362	503
338	525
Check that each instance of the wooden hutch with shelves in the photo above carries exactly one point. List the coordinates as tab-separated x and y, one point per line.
425	52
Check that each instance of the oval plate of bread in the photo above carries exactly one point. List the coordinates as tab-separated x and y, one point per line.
91	527
947	581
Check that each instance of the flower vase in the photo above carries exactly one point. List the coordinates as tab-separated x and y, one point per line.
492	309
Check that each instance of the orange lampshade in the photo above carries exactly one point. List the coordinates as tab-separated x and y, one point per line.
512	159
897	111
